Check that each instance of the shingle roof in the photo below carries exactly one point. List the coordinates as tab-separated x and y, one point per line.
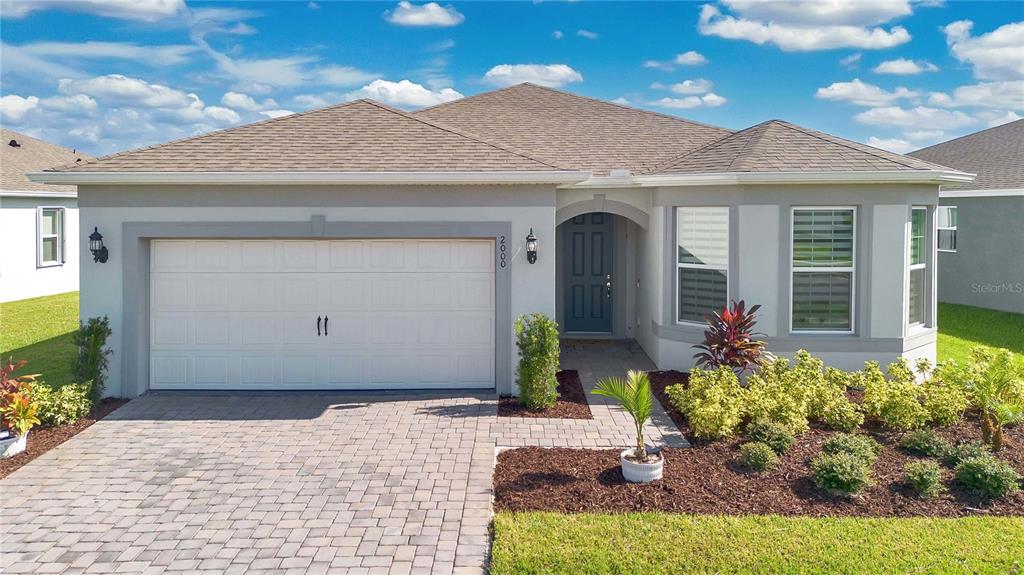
995	154
574	131
32	155
777	146
358	136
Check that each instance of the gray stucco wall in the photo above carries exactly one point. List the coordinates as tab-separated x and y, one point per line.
987	270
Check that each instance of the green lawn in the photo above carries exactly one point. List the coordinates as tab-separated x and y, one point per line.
962	327
526	543
40	330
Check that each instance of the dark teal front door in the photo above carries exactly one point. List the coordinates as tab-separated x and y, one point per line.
588	279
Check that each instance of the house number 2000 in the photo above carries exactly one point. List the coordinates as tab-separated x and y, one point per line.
502	252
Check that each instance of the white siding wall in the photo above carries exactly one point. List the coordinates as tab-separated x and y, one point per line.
20	278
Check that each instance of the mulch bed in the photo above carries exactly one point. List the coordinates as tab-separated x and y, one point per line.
571	404
43	439
705	479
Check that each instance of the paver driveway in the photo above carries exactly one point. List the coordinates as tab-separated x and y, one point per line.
260	484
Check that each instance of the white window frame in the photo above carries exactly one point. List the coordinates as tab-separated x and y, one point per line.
40	263
678	266
939	229
912	267
852	270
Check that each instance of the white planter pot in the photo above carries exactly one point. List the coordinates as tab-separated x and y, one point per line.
641	472
13	445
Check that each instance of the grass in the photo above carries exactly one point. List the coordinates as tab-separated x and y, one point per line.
642	543
962	327
40	330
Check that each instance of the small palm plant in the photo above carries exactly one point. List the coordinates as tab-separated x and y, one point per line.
634	393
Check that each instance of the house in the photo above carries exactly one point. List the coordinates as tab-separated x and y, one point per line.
358	246
38	222
981	223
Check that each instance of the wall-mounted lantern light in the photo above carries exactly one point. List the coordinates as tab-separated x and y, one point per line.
99	251
531	247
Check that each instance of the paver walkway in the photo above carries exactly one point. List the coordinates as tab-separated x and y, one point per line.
294	483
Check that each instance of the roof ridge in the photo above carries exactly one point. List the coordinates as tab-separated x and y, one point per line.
676	159
210	133
469	135
590	98
73	151
753	140
843	142
965	136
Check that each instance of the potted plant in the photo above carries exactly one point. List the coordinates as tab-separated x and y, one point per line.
639	465
17	409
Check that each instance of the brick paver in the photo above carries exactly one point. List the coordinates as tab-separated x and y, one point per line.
290	483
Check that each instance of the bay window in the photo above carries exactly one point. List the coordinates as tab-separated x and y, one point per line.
50	237
702	262
823	262
918	273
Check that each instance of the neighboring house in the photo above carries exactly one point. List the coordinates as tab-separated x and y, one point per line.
38	222
359	246
981	224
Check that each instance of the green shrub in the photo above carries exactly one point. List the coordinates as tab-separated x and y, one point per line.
712	402
757	456
944	403
924	477
841	472
994	382
988	475
966	450
860	446
925	442
91	362
893	402
65	405
842	415
779	394
537	340
829	404
770	433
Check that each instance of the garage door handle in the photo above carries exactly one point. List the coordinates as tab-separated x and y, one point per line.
325	325
318	326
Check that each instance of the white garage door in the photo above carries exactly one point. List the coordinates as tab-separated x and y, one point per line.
394	314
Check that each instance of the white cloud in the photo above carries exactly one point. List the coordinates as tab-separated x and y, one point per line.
224	115
903	66
924	135
710	100
159	55
998	55
864	13
14	108
586	34
124	90
813	26
689	58
1005	95
993	118
312	5
862	93
138	10
851	62
315	100
246	102
892	144
557	35
429	14
551	75
277	113
404	94
697	86
919	117
76	104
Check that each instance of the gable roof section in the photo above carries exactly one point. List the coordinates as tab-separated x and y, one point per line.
778	146
574	131
995	154
32	155
359	136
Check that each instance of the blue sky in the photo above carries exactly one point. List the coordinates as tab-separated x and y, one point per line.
109	75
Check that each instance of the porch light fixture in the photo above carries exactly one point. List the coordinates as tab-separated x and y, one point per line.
99	251
531	247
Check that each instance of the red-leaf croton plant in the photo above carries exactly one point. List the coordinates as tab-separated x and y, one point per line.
729	340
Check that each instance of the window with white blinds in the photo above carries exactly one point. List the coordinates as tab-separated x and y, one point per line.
49	237
824	241
946	216
917	285
702	262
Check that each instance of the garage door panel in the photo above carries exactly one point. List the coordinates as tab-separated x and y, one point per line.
241	314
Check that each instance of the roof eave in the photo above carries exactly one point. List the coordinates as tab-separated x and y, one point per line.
313	178
37	194
852	177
